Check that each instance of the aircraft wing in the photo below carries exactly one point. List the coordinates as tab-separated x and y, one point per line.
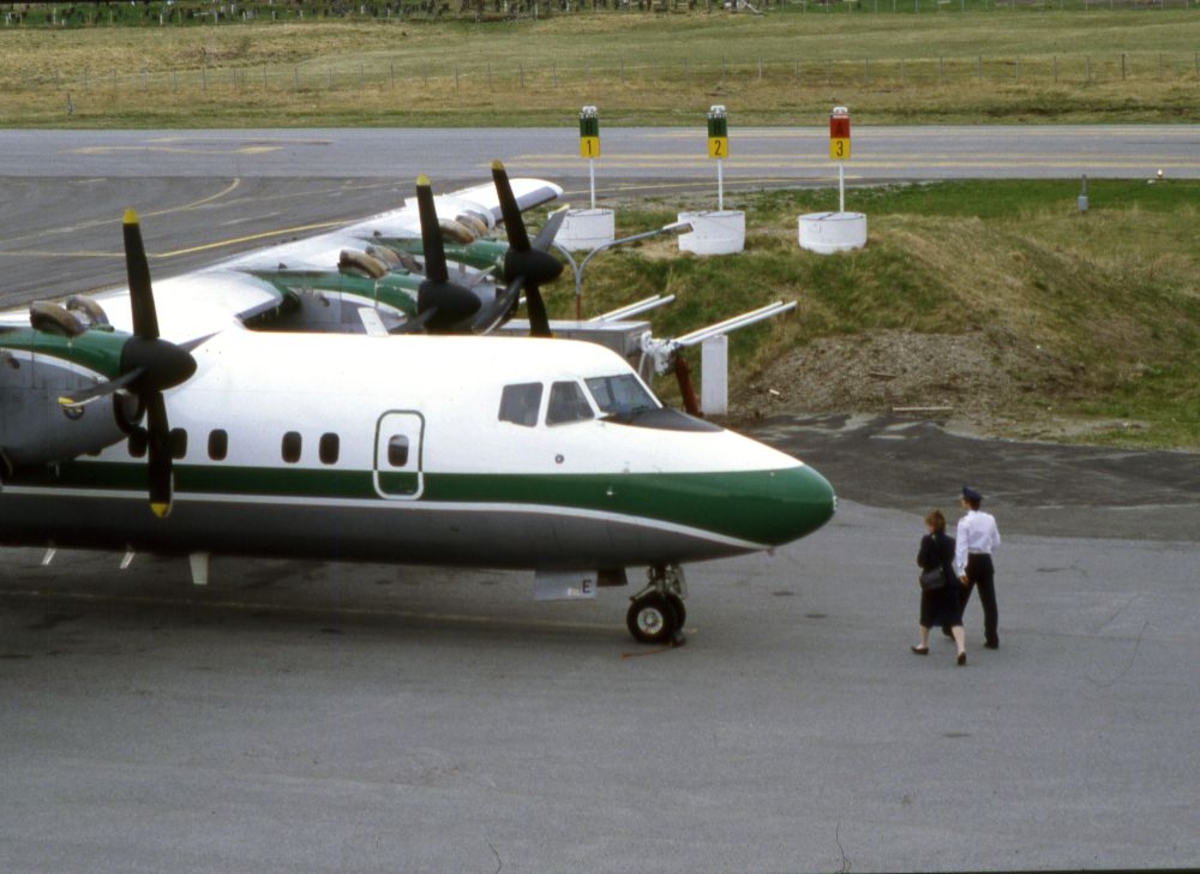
235	291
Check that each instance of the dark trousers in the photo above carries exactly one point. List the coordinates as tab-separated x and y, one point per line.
981	574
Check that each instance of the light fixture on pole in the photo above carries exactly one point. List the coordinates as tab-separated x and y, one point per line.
577	267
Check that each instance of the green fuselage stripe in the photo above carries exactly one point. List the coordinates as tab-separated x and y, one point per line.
765	507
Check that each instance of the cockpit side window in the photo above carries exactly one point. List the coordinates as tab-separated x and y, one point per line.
520	403
567	404
621	395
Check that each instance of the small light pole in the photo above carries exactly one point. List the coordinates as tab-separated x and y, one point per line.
577	267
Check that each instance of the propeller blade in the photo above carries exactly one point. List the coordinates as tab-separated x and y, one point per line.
535	306
549	230
415	324
431	233
141	297
501	310
159	470
86	396
514	225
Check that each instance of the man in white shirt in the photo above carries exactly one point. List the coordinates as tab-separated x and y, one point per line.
977	537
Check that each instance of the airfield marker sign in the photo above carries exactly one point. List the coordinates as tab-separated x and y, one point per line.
589	143
839	148
718	147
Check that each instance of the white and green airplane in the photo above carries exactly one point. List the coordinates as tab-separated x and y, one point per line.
404	436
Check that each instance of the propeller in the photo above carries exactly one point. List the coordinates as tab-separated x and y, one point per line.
443	307
149	366
528	263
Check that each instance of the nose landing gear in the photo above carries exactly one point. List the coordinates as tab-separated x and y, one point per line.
657	613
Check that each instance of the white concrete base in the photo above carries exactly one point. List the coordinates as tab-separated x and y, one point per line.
714	233
585	229
829	232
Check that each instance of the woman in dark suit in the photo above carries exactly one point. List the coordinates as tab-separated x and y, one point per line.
940	607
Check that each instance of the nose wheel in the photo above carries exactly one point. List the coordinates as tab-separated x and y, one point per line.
657	613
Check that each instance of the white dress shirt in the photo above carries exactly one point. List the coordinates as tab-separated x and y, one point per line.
977	532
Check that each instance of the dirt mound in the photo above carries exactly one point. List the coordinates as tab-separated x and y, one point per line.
974	383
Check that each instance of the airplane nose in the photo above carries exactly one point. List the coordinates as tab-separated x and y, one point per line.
805	501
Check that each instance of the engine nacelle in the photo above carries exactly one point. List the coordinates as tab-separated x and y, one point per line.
35	428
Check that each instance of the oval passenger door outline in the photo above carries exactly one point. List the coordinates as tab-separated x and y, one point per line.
398	472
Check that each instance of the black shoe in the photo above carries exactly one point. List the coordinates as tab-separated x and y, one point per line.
946	633
961	660
920	650
992	644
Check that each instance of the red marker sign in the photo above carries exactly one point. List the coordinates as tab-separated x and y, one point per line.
839	134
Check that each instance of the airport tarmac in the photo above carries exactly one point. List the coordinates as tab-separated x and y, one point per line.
297	716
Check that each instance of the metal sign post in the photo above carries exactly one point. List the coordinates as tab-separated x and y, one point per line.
589	143
718	147
839	148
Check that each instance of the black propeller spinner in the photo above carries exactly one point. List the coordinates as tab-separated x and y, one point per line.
149	366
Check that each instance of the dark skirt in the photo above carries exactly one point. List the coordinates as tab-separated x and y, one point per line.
940	608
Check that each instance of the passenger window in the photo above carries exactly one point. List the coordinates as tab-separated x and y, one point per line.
329	448
292	445
138	443
567	404
218	444
520	403
178	443
398	451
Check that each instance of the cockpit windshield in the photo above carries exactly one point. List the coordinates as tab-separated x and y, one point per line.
621	396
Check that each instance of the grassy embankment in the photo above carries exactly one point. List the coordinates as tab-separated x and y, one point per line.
1104	307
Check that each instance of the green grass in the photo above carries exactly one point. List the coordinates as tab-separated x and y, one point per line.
981	64
1108	302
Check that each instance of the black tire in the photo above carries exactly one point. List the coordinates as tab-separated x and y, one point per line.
652	619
